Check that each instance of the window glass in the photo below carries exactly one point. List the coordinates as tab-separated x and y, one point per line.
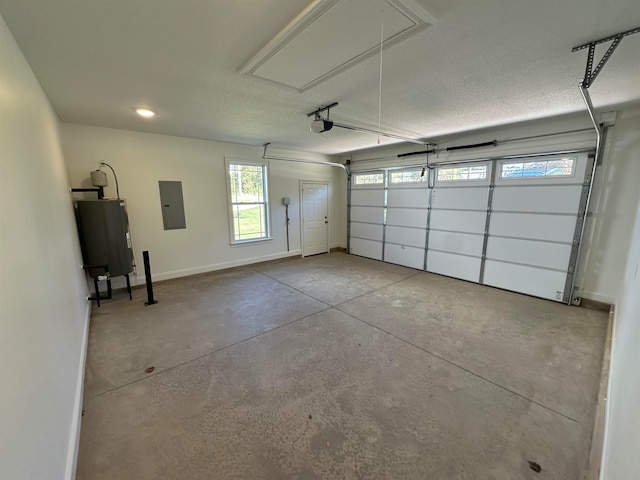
562	167
408	176
368	178
453	174
248	191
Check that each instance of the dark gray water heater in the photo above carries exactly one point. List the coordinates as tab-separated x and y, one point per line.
103	226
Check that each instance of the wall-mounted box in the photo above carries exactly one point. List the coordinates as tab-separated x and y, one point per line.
172	205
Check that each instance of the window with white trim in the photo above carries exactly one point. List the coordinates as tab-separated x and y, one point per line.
369	178
456	174
408	176
248	201
556	167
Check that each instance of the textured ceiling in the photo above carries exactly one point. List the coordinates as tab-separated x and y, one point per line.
481	63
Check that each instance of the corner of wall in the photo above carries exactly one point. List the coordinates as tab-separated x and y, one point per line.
74	432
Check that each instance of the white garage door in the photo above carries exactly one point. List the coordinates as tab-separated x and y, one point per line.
511	223
458	220
366	227
533	224
406	225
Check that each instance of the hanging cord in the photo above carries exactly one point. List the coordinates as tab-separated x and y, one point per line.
380	84
114	176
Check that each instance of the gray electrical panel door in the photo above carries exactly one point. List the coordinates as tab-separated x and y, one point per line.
104	236
172	205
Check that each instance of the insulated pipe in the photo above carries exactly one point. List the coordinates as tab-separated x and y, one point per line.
599	137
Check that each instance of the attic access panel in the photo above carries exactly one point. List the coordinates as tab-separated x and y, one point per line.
331	36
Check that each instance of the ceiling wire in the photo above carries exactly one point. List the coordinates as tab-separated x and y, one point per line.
380	84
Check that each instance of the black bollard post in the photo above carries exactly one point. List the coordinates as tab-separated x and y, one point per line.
147	274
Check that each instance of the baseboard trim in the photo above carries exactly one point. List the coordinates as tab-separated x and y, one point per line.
217	266
595	305
76	423
598	297
598	435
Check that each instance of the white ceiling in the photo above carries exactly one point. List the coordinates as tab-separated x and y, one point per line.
480	63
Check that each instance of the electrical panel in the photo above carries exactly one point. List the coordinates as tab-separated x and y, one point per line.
172	204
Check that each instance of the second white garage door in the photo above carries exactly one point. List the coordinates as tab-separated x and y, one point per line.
511	223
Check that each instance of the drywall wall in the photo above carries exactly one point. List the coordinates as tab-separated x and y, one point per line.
140	160
615	198
43	306
615	191
622	437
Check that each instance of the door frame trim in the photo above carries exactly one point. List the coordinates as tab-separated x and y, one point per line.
303	182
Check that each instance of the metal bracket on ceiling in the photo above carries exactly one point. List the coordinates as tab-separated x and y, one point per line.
316	113
590	74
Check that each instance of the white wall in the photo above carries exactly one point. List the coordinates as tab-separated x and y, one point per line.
43	307
141	160
622	437
615	198
615	190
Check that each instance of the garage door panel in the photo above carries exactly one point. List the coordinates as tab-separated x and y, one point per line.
404	255
469	222
367	231
408	197
541	254
458	266
559	228
407	217
366	248
367	197
464	243
530	280
414	237
461	198
367	214
543	198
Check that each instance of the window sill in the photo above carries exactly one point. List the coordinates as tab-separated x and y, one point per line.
244	243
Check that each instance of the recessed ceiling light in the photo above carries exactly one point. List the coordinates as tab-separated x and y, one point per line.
145	112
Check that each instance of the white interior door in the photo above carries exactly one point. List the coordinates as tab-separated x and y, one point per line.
315	218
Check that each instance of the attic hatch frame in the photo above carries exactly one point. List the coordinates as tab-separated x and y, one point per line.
590	76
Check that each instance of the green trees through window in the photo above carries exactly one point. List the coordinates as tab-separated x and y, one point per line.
249	205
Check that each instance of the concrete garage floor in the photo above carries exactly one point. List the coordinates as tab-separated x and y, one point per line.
338	367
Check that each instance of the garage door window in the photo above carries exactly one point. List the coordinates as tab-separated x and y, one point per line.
456	174
557	167
408	176
368	178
